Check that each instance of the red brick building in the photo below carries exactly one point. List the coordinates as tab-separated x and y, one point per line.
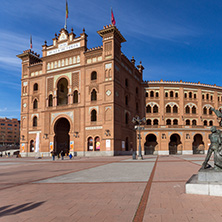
9	131
78	99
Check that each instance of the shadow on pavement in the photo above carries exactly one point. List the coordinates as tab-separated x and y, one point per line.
19	209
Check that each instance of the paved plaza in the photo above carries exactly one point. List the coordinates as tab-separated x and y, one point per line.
103	189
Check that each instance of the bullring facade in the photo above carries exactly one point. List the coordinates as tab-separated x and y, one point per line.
82	101
178	116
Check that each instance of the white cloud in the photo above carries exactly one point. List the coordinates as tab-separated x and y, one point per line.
12	44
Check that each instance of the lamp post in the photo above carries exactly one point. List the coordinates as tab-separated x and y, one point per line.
138	121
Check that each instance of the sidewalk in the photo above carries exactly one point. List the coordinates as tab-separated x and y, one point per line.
103	189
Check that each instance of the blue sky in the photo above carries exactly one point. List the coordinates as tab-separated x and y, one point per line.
174	39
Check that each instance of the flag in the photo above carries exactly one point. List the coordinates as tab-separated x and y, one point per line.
67	11
30	41
112	17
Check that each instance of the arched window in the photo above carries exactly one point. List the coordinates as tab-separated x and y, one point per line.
194	110
157	94
35	87
93	115
175	122
194	122
190	94
148	122
194	96
168	109
211	97
155	109
126	118
151	94
171	93
75	96
147	94
168	122
187	109
148	109
155	122
187	122
204	110
94	75
205	122
34	123
126	82
211	123
176	94
185	95
50	100
207	96
203	96
62	92
166	94
126	100
210	112
175	109
35	104
137	91
93	95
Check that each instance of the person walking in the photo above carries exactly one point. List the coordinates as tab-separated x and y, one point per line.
53	155
62	154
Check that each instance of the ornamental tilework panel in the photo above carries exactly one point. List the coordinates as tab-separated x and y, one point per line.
54	115
75	80
50	85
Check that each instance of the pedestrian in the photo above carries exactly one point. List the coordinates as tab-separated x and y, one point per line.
8	154
58	155
62	154
70	156
53	155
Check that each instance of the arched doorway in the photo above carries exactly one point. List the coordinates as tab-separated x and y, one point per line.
174	144
62	92
61	130
90	144
32	146
97	143
127	144
198	144
150	144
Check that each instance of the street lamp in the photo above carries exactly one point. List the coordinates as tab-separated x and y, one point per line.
138	121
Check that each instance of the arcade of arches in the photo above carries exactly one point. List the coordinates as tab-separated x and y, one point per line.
173	145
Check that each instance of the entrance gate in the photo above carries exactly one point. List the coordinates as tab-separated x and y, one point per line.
61	139
150	144
174	144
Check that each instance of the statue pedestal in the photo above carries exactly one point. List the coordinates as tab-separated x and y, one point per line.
206	182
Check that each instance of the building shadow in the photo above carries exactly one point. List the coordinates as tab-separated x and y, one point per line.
7	210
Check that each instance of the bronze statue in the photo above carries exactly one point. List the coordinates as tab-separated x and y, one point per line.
218	113
216	147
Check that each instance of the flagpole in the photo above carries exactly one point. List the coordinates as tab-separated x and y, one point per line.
66	18
65	23
66	15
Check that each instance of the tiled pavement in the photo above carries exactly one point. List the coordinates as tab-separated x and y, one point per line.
103	189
